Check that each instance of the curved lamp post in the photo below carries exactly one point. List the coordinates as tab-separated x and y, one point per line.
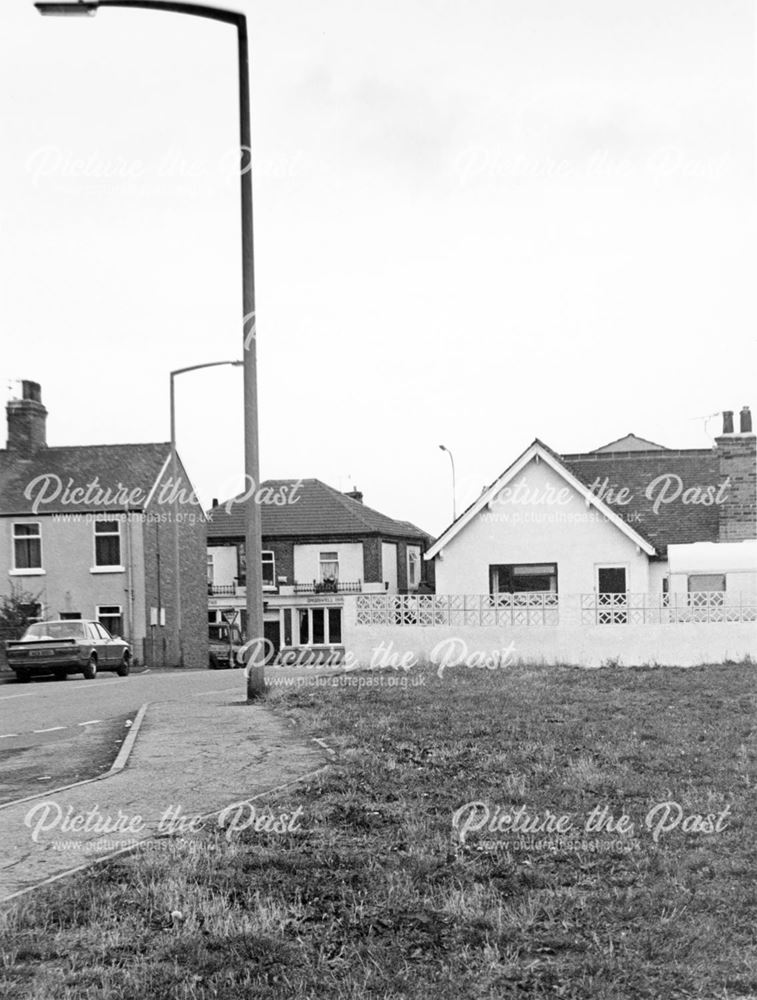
253	542
174	487
454	502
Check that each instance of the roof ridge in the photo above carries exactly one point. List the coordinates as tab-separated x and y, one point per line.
631	455
89	447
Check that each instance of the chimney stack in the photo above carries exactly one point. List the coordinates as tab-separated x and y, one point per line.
27	421
737	513
355	494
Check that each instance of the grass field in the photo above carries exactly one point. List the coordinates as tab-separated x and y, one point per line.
375	895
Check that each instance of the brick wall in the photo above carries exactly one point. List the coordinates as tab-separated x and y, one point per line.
283	550
738	462
372	560
158	534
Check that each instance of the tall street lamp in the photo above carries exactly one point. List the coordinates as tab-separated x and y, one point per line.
454	502
253	541
174	488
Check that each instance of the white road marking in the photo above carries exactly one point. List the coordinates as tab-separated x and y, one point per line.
201	694
100	683
92	722
50	730
7	697
7	736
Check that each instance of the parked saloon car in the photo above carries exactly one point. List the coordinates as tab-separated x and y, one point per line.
67	647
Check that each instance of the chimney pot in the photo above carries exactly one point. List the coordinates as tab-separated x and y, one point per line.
745	421
215	502
31	390
355	494
728	421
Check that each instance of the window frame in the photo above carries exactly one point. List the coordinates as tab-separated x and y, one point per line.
268	562
27	570
99	614
414	551
709	576
496	567
98	567
303	624
616	566
332	557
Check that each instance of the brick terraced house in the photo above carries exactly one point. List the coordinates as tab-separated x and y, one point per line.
319	546
88	532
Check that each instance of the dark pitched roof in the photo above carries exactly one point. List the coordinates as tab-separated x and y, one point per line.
319	510
132	467
673	522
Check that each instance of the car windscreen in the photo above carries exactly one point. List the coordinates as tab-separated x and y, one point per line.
56	630
220	633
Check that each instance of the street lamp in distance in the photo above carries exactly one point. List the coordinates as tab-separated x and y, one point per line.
454	501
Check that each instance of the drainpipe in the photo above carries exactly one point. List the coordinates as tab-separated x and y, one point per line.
130	579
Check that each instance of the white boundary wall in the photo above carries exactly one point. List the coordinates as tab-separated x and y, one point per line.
681	644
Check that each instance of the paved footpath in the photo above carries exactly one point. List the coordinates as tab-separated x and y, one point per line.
195	756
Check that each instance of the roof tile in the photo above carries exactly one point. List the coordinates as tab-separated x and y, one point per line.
50	472
318	510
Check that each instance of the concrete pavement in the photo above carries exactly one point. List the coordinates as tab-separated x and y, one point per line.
191	758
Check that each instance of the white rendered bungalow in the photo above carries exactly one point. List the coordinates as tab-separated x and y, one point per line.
602	522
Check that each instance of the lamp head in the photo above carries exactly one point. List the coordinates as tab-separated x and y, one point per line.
442	447
78	9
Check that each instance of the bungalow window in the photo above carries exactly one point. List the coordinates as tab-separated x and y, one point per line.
27	545
523	578
107	543
269	569
329	567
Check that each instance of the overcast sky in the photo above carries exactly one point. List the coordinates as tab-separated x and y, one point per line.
476	223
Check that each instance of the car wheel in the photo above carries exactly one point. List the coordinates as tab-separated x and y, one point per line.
124	666
23	676
60	674
213	662
90	671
